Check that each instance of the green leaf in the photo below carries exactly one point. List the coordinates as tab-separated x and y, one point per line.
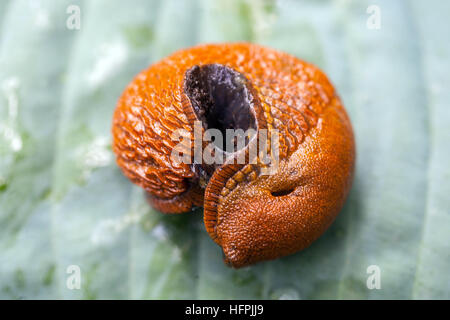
64	202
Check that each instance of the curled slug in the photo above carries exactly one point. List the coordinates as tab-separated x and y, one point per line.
255	210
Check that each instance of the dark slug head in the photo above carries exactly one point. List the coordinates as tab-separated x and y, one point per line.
253	208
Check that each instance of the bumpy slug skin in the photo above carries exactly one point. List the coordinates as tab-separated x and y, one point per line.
251	215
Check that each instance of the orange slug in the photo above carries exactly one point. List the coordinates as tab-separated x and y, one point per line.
252	214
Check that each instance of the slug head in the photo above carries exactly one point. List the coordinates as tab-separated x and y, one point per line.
284	212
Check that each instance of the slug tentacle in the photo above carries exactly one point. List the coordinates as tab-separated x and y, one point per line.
252	214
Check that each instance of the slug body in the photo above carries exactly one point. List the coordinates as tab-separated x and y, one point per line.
252	215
